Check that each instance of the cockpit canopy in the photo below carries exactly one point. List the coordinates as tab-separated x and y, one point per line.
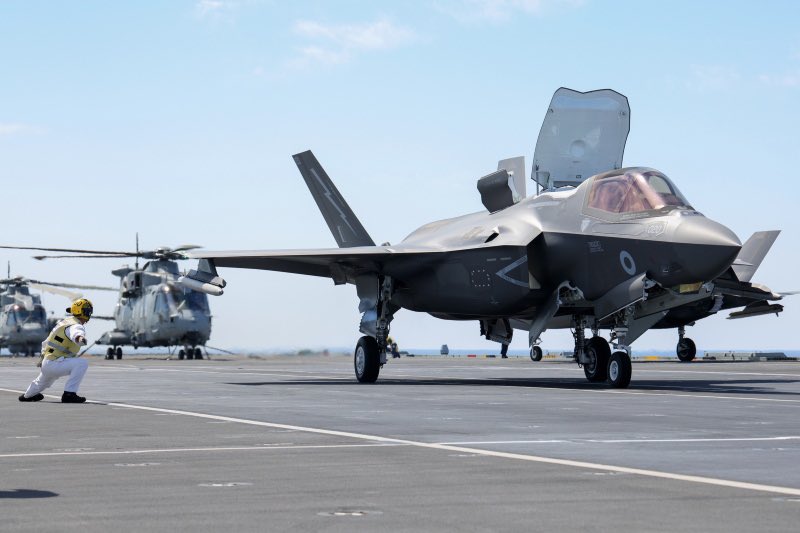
634	192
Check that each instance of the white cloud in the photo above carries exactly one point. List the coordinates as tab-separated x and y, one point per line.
336	44
498	10
789	79
8	129
710	78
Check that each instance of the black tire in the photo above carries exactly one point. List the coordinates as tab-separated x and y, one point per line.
198	353
366	360
189	354
686	350
118	352
536	353
181	355
598	351
110	353
619	370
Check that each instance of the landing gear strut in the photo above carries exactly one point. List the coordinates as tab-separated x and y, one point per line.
370	353
686	349
595	355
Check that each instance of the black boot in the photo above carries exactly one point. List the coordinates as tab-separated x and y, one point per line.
71	397
34	398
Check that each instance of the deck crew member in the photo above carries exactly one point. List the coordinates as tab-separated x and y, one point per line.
60	355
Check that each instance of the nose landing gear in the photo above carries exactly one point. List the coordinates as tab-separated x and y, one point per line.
686	349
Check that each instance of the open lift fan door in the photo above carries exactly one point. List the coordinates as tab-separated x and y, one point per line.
583	134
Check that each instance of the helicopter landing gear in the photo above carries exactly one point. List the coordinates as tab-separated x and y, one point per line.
198	353
686	349
181	355
114	351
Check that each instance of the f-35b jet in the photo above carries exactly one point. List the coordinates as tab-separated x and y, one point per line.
599	248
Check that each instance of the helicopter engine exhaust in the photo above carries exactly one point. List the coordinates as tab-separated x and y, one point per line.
200	286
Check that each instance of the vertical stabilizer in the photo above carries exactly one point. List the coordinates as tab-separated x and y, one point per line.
346	228
752	253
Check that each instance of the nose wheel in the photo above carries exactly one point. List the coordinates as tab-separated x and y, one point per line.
598	353
536	353
686	349
619	370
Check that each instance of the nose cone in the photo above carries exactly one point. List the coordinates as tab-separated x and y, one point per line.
706	248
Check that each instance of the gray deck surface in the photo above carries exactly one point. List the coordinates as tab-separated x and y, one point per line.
438	444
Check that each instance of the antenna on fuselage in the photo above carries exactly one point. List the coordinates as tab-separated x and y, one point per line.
137	251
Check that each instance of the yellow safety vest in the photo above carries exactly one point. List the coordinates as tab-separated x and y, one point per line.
58	344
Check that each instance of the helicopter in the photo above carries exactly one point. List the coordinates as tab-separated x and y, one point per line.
153	309
23	320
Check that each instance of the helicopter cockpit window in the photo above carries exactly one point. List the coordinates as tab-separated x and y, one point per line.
161	305
635	192
188	299
22	315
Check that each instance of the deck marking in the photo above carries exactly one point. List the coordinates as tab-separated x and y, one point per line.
477	451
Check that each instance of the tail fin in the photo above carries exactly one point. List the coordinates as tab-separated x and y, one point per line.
752	253
346	228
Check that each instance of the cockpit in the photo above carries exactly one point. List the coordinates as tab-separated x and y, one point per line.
634	193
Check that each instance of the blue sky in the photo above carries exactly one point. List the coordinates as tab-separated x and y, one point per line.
178	120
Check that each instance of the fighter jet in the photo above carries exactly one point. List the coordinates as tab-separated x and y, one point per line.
599	247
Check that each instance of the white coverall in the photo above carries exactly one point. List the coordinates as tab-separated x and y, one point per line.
74	367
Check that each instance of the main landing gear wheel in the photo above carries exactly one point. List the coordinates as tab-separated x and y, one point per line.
619	370
118	352
536	353
110	353
181	355
598	352
198	354
366	360
686	349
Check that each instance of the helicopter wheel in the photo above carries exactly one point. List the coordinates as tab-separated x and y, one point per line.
189	354
118	352
181	355
198	353
110	353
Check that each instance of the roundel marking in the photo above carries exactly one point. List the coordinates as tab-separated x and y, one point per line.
627	262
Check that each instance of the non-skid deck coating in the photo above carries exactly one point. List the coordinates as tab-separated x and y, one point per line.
438	444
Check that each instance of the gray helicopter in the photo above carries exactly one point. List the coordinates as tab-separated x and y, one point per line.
24	323
599	247
153	308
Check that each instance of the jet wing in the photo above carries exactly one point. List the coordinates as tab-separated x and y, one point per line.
311	262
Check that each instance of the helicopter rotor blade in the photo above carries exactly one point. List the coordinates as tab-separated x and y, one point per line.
84	256
72	285
186	247
70	250
55	290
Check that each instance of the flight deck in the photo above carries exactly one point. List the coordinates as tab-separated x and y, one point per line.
437	444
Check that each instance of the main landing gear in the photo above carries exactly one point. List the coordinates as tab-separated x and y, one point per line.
598	361
112	352
378	310
686	349
190	353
